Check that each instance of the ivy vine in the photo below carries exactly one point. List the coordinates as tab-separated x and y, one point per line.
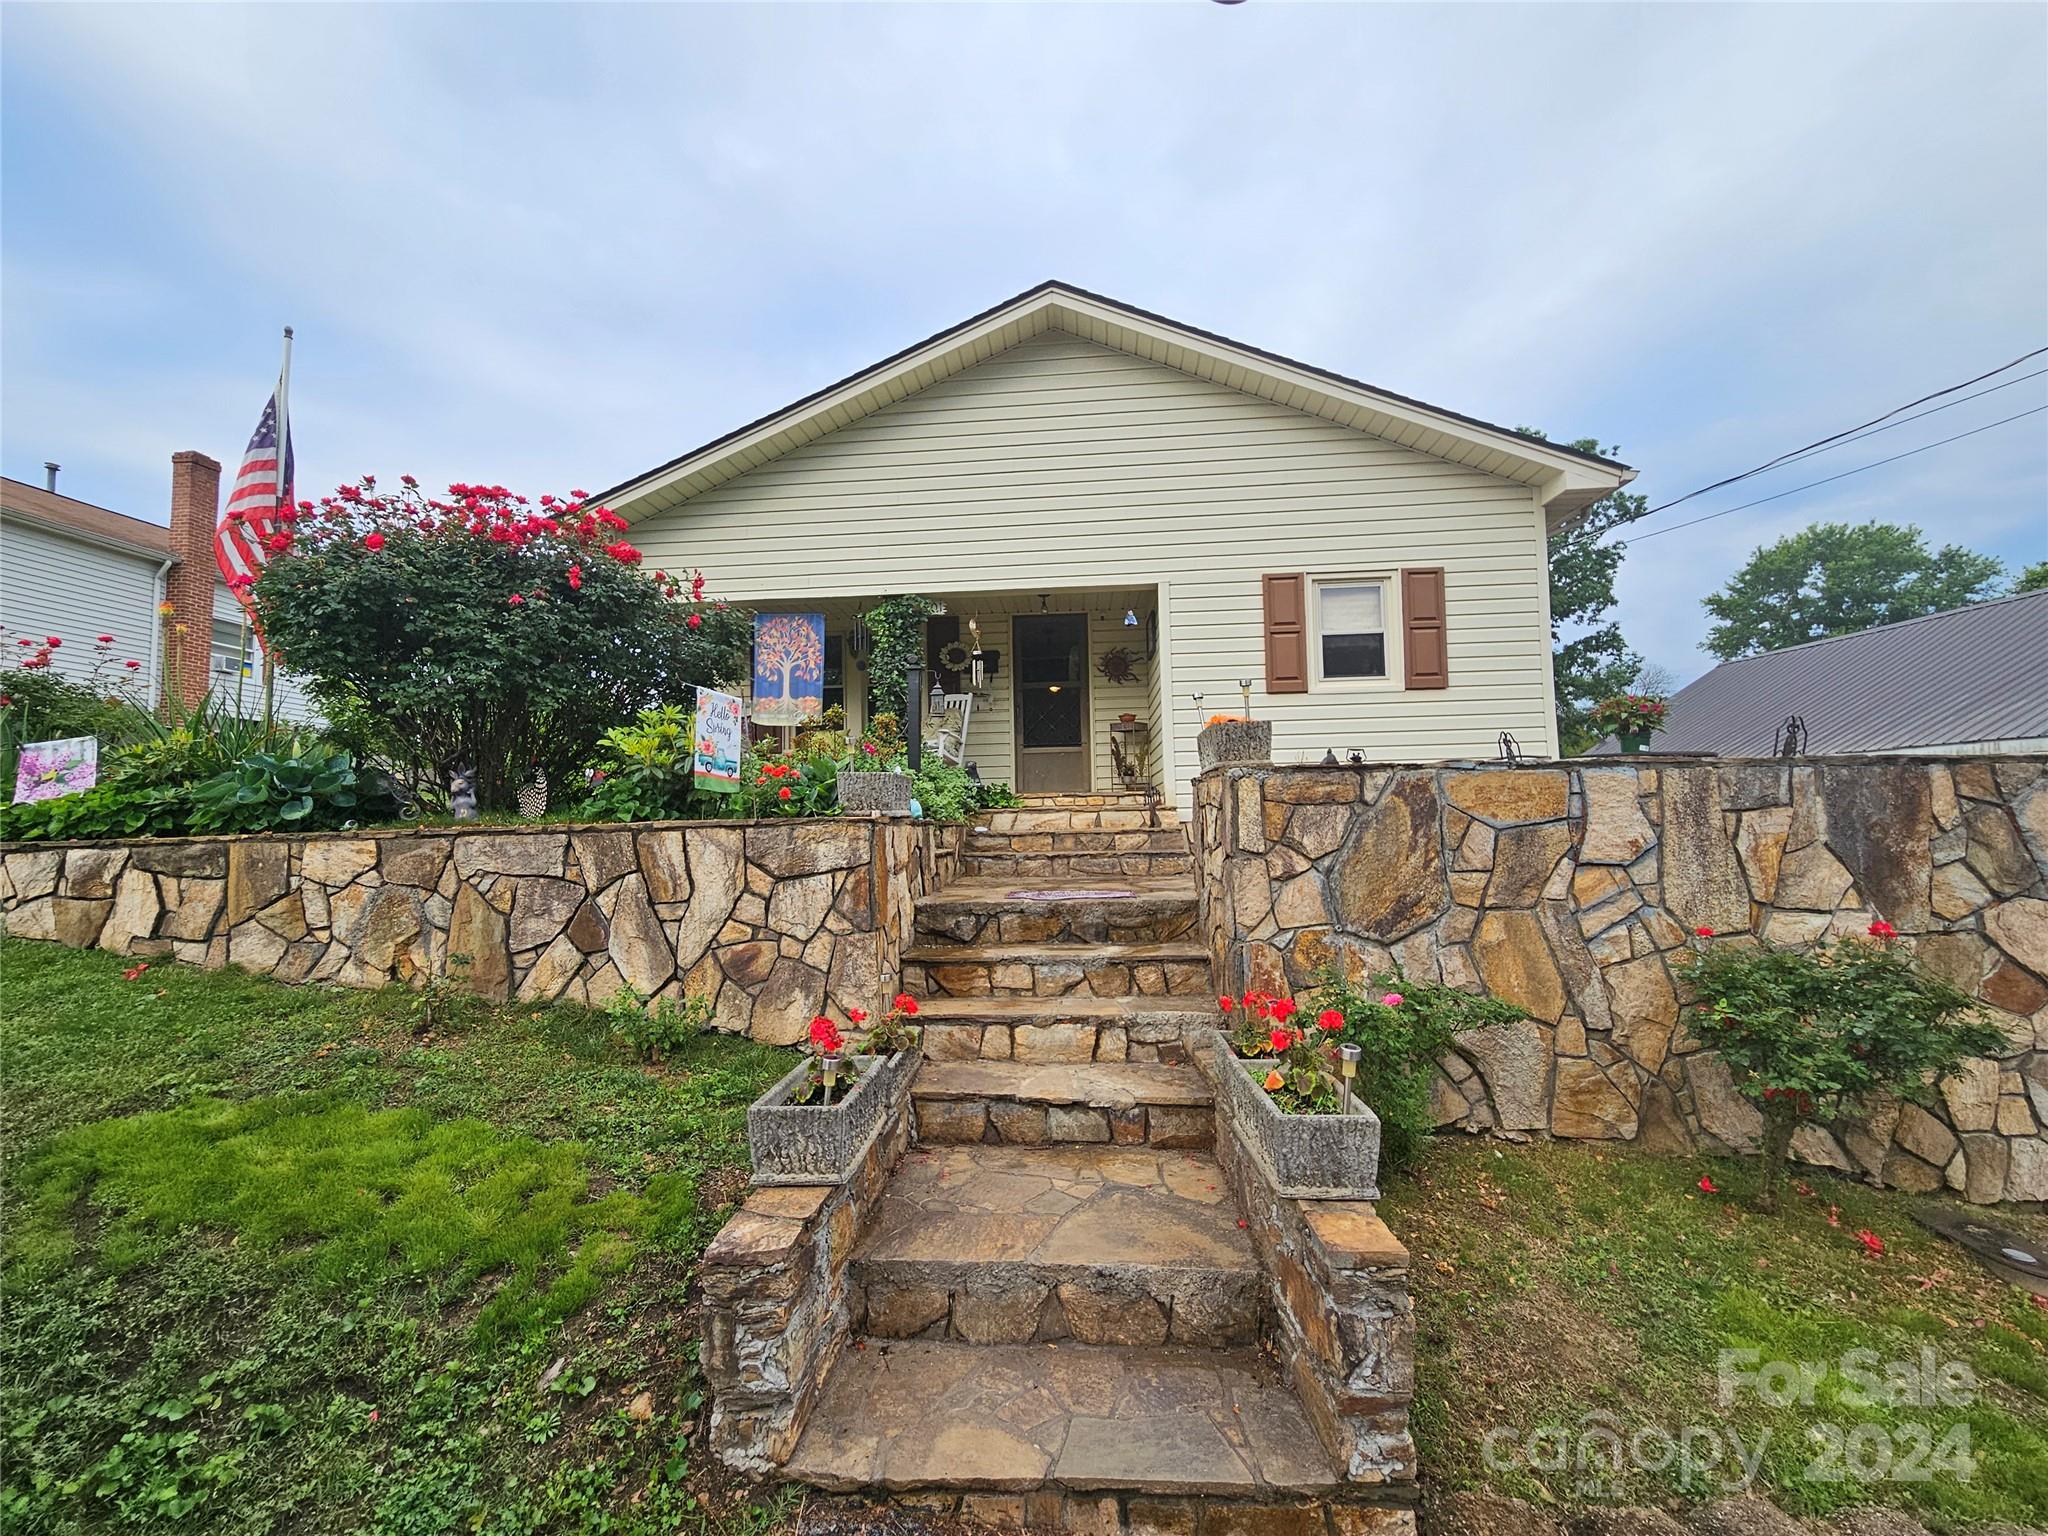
895	645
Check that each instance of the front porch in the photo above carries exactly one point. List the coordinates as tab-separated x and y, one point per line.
1062	668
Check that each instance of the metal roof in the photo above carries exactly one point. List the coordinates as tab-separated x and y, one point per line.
1975	674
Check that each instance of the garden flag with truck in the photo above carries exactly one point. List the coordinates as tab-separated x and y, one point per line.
256	523
718	741
789	668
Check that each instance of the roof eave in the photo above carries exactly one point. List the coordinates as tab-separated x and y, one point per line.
1565	480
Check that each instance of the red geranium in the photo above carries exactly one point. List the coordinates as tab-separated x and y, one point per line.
1330	1019
903	1002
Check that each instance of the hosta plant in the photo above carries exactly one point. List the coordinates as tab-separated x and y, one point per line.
304	785
1806	1033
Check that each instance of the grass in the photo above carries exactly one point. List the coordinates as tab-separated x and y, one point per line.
299	1259
1561	1286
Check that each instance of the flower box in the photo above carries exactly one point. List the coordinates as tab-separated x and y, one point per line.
1306	1157
864	793
824	1143
1235	741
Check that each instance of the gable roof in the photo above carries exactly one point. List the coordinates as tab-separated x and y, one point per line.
1975	674
1568	479
71	515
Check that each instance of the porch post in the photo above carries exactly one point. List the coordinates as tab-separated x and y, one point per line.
913	715
1167	730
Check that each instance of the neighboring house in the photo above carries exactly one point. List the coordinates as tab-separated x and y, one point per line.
77	571
1075	475
1970	680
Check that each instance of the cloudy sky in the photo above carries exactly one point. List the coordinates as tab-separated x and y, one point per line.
552	246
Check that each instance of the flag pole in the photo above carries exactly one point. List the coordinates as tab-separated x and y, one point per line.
284	439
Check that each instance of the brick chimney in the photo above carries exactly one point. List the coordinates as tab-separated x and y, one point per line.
189	584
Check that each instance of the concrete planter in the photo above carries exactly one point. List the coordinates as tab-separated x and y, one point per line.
825	1143
874	794
1307	1157
1235	741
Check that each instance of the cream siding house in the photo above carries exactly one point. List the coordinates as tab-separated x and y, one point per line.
1063	454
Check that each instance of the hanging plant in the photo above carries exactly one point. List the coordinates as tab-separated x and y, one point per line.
895	644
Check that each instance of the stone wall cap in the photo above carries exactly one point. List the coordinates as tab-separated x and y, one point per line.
1353	1235
753	1240
1633	760
789	1202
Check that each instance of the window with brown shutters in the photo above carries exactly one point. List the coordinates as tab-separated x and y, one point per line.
1286	634
1426	661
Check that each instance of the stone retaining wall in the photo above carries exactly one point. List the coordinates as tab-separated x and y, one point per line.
1571	890
780	1304
1342	1323
776	921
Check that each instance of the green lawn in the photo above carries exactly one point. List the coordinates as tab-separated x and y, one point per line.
1558	1281
306	1259
296	1259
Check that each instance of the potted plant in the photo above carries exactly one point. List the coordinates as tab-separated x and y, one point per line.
1630	718
1230	739
815	1126
1288	1098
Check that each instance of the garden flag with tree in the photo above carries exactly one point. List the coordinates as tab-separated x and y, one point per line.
256	523
789	667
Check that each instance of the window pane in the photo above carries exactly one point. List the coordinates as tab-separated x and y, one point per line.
1354	655
1353	610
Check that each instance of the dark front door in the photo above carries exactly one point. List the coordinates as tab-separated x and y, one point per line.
1051	661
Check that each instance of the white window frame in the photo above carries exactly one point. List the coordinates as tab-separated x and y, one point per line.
1388	583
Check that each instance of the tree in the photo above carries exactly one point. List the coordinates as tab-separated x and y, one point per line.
1595	663
483	632
1840	579
2033	579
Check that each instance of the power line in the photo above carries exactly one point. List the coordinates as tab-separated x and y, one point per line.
1947	405
1835	437
1845	474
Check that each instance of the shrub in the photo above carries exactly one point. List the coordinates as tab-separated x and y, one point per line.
654	1031
645	772
38	703
1402	1026
800	784
895	645
484	632
1804	1033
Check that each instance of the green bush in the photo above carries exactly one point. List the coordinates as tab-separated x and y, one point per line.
1399	1045
303	786
644	772
653	1032
1807	1033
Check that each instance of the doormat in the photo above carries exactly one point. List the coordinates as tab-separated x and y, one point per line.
1076	895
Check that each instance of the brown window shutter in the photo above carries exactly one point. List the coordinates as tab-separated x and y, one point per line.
1424	657
1286	634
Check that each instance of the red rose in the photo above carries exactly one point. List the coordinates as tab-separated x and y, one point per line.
373	542
575	578
106	639
131	665
1882	930
696	621
52	642
515	599
1708	1186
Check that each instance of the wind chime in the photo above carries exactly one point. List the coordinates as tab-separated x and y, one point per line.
977	671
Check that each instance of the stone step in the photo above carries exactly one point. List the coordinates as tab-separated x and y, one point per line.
1150	840
1011	1103
913	1414
1107	819
1073	865
1075	1028
991	910
1101	1245
1177	968
1065	799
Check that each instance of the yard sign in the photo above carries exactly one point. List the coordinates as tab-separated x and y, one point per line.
47	770
718	741
789	668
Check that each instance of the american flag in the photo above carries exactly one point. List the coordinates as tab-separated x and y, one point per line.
259	492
